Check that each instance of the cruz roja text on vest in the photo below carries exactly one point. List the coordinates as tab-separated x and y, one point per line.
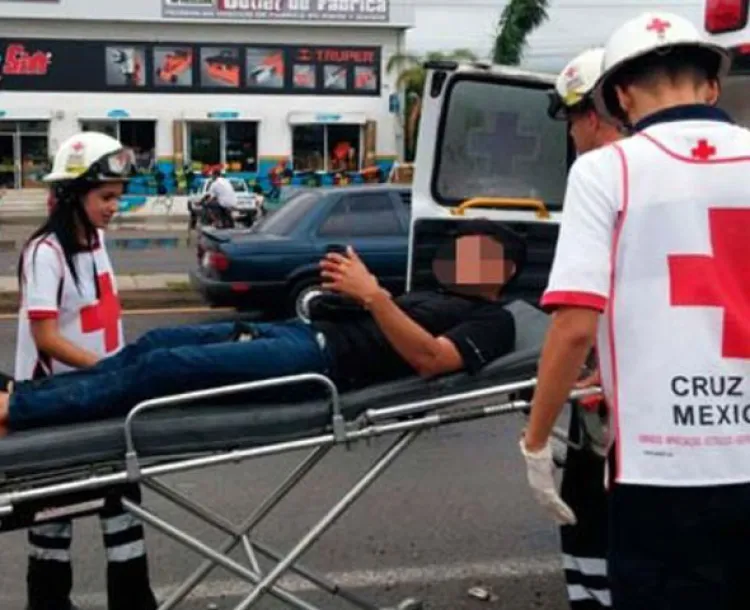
709	401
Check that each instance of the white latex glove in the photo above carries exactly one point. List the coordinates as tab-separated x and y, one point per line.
539	469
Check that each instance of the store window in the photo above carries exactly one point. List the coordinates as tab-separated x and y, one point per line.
140	136
241	146
327	148
24	154
232	144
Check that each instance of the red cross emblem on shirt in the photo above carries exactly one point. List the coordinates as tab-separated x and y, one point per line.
721	280
105	315
703	151
571	72
77	146
659	26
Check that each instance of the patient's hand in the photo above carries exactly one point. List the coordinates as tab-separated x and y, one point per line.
348	275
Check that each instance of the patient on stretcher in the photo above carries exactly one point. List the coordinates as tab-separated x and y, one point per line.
359	335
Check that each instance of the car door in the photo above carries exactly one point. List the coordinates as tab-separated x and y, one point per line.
375	225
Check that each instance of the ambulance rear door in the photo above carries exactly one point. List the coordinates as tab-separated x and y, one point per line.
486	147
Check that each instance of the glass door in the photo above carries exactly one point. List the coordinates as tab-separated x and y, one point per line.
7	161
34	160
205	143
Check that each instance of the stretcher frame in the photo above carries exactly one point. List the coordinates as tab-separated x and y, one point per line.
407	421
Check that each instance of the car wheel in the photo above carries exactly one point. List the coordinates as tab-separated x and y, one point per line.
301	295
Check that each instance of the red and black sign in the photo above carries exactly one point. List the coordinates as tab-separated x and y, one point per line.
176	67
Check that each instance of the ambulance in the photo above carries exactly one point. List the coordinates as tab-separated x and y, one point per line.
488	148
727	22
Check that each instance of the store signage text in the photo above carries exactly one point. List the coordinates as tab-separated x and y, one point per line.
305	10
181	67
327	118
337	55
20	62
223	114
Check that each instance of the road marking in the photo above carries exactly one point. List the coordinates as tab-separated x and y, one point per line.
152	312
363	579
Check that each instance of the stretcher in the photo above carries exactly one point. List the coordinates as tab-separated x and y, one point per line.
68	471
52	472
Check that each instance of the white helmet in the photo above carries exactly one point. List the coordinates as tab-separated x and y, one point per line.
576	82
649	32
92	156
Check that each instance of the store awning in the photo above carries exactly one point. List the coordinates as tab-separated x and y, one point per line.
346	118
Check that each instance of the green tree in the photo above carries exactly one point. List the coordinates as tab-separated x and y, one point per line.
411	78
518	19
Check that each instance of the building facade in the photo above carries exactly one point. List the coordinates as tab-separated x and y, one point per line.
199	84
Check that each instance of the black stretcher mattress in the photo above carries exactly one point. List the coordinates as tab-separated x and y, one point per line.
252	420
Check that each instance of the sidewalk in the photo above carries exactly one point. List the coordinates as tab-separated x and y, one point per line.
125	235
159	290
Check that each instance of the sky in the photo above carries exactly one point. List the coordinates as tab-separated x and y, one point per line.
573	25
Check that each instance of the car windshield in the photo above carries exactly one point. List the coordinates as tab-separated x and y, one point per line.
239	186
284	220
497	141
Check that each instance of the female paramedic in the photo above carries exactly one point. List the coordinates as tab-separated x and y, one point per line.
70	319
653	257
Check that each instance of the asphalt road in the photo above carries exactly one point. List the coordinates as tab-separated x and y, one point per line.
454	512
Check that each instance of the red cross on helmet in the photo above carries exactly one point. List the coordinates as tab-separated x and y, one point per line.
576	82
645	34
92	156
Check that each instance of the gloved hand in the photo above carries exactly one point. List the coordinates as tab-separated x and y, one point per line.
539	469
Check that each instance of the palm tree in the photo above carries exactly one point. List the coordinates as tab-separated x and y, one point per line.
411	80
518	19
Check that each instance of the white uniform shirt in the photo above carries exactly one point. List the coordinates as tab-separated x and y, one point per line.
656	235
222	189
49	291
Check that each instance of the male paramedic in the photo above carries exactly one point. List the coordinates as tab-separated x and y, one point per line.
652	261
584	544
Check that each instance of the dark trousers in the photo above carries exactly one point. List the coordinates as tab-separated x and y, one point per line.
584	545
49	578
168	361
680	548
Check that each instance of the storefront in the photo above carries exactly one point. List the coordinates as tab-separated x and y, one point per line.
198	84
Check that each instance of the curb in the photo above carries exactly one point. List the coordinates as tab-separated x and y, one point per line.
163	298
117	243
135	291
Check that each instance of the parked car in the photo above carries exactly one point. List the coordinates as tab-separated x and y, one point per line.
271	267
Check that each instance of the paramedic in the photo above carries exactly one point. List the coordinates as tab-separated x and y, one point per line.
461	325
652	255
68	298
584	545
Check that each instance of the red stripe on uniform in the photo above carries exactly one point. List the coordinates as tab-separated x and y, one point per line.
611	311
569	298
42	314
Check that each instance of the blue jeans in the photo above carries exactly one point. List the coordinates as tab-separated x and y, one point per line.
168	361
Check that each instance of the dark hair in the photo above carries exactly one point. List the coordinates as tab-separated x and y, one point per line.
65	219
514	246
698	64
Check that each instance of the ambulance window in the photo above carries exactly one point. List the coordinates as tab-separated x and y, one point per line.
496	140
